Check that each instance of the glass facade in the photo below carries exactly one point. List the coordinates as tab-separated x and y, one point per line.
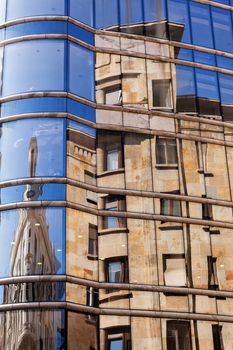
116	167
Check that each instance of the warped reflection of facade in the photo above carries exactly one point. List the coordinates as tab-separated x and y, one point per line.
116	174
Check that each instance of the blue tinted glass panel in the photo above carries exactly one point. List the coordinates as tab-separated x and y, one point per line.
201	25
81	71
207	85
33	147
28	8
81	110
185	81
82	127
224	62
226	91
204	58
116	344
184	54
2	11
36	65
81	33
32	105
39	233
47	27
179	16
222	25
33	192
82	11
131	11
154	10
106	13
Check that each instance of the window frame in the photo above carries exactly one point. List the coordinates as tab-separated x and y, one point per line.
162	145
124	271
118	332
158	85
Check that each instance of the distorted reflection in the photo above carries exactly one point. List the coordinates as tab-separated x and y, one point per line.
31	292
32	241
44	192
32	330
36	144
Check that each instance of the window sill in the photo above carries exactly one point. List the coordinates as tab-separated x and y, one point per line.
111	172
112	230
116	295
166	166
162	109
205	173
92	257
170	226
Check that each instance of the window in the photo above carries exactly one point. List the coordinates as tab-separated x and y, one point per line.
161	94
207	211
116	270
178	335
113	96
93	241
90	179
92	297
110	151
212	273
113	203
118	338
174	270
217	337
170	207
166	151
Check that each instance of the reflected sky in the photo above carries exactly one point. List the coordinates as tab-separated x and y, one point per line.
45	138
33	242
43	192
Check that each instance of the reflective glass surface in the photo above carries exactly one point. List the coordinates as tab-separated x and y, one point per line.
81	33
81	66
33	242
27	8
154	10
81	110
131	11
82	11
201	25
41	27
32	292
36	65
222	26
33	147
44	330
178	13
32	105
106	13
33	192
2	11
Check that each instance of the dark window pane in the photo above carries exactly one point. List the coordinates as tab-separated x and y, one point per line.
36	65
166	151
81	66
161	94
28	8
178	335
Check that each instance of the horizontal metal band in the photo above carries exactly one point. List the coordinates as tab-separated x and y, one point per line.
215	4
121	214
116	286
116	52
126	35
117	312
110	190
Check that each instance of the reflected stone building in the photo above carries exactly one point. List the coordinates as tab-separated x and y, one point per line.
116	175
